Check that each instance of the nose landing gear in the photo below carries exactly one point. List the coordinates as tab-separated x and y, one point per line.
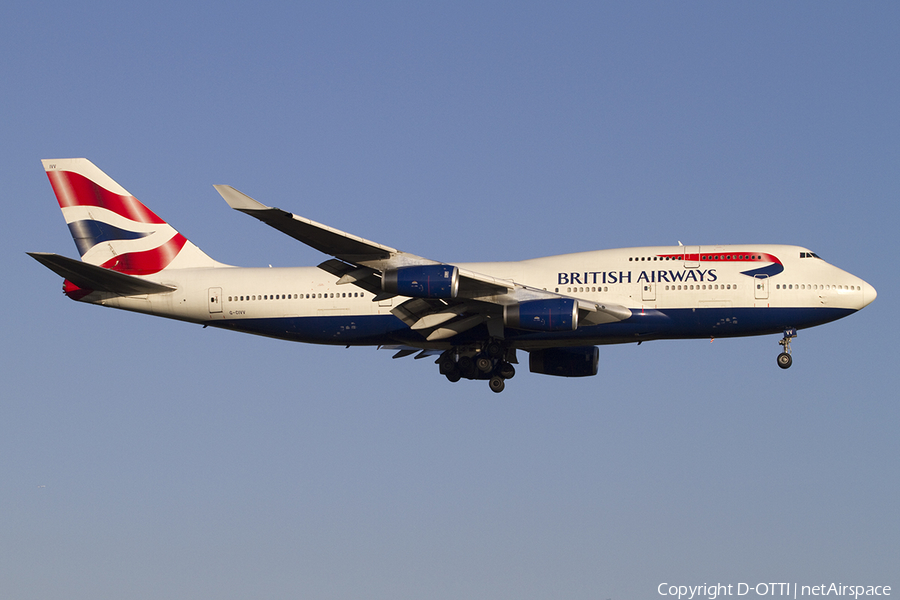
784	359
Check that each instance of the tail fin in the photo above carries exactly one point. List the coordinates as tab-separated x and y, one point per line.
113	229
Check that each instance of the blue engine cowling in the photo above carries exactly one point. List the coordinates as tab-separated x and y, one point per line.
557	314
580	361
422	281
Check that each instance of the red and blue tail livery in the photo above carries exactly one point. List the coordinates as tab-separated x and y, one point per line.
112	228
473	318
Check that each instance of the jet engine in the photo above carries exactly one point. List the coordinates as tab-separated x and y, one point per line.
557	314
422	281
580	361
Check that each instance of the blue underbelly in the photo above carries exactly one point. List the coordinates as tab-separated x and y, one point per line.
682	323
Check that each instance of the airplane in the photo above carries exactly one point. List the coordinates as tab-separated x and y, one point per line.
473	317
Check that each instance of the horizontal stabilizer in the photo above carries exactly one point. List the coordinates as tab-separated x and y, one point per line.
92	277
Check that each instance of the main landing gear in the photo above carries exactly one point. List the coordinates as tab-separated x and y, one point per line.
784	359
488	362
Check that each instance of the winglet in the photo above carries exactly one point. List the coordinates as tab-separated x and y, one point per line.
239	200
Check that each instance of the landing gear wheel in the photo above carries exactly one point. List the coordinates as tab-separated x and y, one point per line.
785	360
506	370
448	365
453	376
484	364
467	367
497	384
494	350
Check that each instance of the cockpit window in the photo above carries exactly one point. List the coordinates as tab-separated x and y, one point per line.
809	255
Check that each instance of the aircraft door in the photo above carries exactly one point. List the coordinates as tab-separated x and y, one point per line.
691	257
215	300
762	287
648	292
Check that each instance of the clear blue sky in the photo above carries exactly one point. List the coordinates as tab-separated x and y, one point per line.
143	458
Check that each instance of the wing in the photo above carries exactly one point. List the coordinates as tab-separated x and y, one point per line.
444	300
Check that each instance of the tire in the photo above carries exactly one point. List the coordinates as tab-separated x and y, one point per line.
453	376
484	364
497	384
467	367
494	350
506	370
785	360
447	365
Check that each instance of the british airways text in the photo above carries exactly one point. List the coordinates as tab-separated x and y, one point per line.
595	277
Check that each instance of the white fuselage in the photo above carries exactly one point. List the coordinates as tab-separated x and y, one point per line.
673	292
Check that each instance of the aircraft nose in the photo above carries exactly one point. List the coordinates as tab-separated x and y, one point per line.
869	294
